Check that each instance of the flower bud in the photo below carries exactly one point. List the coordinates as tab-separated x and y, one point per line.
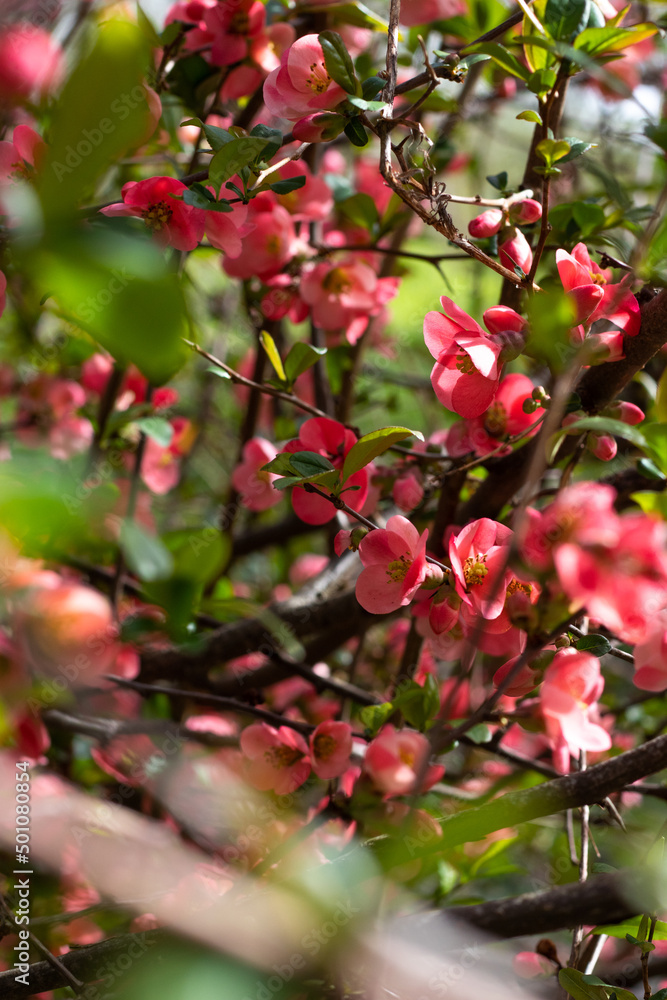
320	127
511	343
603	446
516	250
435	578
628	413
486	224
525	212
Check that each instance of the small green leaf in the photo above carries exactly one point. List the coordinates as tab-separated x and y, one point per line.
288	184
220	372
657	134
419	705
577	147
281	465
504	58
579	986
552	150
650	469
361	210
233	157
300	358
338	62
529	116
145	554
356	132
365	105
479	733
599	868
200	197
596	41
215	136
564	19
541	81
357	14
371	445
632	927
375	716
269	345
309	463
158	429
273	136
371	87
498	181
596	645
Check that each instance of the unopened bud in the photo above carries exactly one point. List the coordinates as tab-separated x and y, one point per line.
530	405
357	535
434	579
511	344
562	641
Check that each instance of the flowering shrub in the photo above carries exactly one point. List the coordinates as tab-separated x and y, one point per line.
298	643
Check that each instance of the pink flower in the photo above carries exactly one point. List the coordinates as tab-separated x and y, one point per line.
516	250
253	485
395	566
486	224
301	85
172	222
651	658
478	554
454	698
319	127
568	698
603	446
233	23
270	242
415	12
276	759
530	965
523	682
330	749
31	63
525	212
344	294
225	230
19	157
313	201
466	374
582	514
408	491
160	468
305	567
332	440
504	418
65	630
394	760
595	298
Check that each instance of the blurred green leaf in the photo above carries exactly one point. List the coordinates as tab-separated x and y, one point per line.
566	18
632	927
375	716
145	554
361	210
233	157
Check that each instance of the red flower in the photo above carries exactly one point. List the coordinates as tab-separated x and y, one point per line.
172	222
395	566
276	759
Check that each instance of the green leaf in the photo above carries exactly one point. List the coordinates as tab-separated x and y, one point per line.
356	132
479	733
338	62
566	18
529	116
200	197
199	554
492	851
361	210
657	134
375	716
158	429
656	435
588	217
371	445
552	150
220	372
215	136
601	425
120	291
599	868
273	136
632	927
309	463
364	105
537	49
234	156
371	87
577	147
498	181
597	645
419	705
649	469
504	58
542	81
301	357
596	41
576	984
281	465
170	33
145	554
288	184
269	345
100	114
